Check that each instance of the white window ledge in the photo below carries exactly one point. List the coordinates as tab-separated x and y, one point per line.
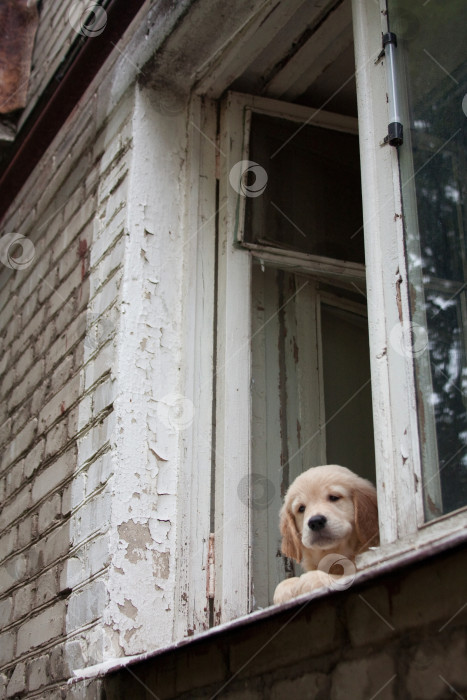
395	558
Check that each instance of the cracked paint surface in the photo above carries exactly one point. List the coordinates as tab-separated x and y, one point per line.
146	450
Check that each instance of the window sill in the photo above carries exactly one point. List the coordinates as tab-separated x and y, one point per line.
378	564
431	537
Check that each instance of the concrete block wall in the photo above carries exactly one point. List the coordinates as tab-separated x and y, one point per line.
58	324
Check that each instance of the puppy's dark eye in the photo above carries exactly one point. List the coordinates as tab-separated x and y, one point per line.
301	509
333	498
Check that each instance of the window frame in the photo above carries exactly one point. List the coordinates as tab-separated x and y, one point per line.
396	430
321	267
397	453
235	261
431	499
385	242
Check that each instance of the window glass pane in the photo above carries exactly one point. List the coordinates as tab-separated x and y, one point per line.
431	46
312	202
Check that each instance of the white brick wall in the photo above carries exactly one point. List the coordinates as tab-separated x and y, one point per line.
57	393
41	628
89	343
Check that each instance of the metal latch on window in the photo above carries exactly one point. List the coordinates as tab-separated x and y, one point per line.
395	136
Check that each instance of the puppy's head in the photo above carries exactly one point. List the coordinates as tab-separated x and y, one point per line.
330	509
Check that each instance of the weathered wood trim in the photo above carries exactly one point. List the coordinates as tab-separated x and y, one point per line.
195	482
394	412
314	56
297	113
339	271
242	49
233	422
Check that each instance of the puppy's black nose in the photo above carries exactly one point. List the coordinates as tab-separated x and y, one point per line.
317	522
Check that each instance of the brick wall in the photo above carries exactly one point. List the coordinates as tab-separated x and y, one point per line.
401	635
58	322
59	25
91	334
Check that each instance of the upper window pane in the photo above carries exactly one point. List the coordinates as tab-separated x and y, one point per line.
312	202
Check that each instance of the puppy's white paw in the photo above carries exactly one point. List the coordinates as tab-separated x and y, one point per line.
299	585
286	590
311	581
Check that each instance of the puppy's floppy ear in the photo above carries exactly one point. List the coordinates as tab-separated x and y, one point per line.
366	514
291	544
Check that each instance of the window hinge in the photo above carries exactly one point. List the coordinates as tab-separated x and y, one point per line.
210	572
395	136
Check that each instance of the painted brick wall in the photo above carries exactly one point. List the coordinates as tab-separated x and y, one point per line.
58	323
60	22
91	347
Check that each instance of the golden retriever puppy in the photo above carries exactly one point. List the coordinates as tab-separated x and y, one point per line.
327	510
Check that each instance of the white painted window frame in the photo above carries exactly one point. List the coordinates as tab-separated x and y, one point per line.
398	461
393	387
199	260
397	452
234	584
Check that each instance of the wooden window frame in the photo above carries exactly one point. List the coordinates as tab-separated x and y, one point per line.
396	430
233	590
397	452
397	439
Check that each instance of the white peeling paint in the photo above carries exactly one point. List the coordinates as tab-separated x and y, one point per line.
146	452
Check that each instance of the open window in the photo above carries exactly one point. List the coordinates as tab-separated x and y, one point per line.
299	234
322	273
311	399
310	374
